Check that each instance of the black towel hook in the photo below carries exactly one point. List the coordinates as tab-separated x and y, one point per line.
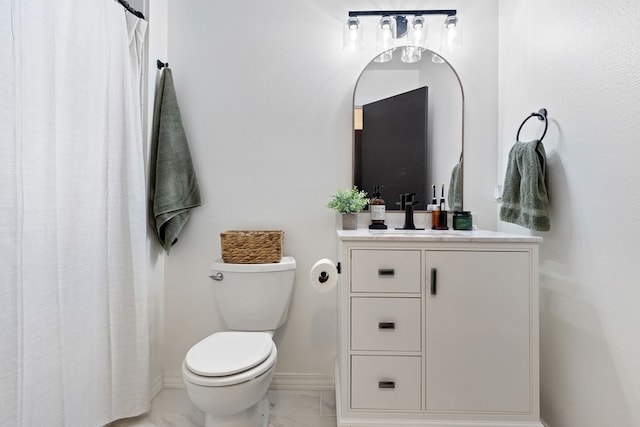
541	115
161	64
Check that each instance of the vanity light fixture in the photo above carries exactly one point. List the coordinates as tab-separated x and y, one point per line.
394	30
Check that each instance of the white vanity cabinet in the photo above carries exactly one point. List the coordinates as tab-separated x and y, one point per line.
437	329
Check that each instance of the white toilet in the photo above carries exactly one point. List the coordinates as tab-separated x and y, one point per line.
227	374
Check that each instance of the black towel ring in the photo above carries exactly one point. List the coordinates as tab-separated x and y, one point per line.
541	115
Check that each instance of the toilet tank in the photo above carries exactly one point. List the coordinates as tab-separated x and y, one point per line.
254	297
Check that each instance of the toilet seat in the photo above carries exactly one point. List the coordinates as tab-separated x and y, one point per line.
227	358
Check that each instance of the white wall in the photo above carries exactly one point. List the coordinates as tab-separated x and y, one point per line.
156	47
257	95
581	60
265	91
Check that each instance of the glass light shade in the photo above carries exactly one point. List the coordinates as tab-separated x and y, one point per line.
411	54
385	37
418	32
385	40
451	35
417	40
385	56
352	35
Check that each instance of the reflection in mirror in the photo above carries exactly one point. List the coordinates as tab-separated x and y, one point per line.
409	130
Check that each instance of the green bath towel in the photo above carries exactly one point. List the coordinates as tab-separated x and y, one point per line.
524	198
174	186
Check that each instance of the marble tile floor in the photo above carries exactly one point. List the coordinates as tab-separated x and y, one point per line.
289	408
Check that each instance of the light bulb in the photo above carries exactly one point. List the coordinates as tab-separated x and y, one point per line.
385	33
451	39
384	39
418	32
352	35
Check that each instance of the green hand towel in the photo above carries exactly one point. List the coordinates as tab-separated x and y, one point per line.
455	188
174	186
524	198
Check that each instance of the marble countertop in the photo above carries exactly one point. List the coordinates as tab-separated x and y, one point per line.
364	234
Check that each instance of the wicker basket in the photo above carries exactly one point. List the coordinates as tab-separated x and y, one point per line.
252	247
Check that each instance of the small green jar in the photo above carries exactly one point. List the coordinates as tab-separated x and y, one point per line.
462	220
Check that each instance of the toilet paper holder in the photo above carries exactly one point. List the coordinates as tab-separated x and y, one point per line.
324	276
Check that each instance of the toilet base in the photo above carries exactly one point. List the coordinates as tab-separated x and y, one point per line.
255	416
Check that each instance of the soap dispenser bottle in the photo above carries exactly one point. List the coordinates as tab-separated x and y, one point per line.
378	210
440	215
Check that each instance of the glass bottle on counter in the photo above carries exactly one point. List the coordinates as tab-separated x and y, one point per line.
378	209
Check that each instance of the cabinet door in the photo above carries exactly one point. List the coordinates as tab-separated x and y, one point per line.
478	339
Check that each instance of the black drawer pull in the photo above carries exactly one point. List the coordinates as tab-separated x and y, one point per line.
434	286
386	272
386	325
386	384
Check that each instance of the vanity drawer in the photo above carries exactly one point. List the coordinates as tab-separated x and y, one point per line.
392	324
385	271
386	382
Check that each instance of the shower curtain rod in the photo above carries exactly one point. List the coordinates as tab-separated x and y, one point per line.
131	10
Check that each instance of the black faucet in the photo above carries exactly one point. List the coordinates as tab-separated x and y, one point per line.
406	204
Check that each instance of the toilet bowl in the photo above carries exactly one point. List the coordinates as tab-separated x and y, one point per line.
227	374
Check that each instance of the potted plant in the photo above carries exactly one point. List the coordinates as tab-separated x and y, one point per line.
349	203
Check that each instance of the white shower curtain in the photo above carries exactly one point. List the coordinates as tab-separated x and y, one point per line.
73	315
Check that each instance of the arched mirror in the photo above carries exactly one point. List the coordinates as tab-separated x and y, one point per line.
409	130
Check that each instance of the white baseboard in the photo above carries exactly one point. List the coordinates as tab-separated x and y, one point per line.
280	381
156	385
302	382
172	380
